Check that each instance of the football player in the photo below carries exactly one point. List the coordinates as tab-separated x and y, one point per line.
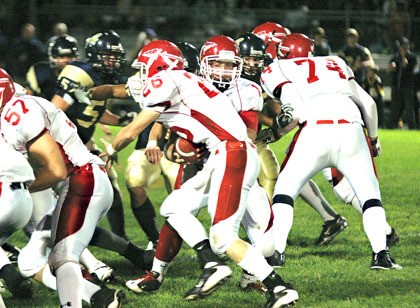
253	53
15	206
201	103
41	77
105	58
34	127
321	95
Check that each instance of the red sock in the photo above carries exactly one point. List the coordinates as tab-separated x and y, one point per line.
169	244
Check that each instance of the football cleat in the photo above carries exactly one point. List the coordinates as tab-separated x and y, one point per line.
102	273
393	238
278	259
249	282
282	295
146	283
331	229
107	298
213	276
383	261
12	252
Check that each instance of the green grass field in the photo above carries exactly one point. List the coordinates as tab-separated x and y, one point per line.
334	276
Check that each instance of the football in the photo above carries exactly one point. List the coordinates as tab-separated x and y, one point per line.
185	150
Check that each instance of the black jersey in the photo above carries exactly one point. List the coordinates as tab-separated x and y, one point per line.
41	79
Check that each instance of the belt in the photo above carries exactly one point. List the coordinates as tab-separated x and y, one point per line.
340	121
18	185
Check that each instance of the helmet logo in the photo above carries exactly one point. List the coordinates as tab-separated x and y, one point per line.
93	39
208	46
154	53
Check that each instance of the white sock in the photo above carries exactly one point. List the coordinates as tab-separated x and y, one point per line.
48	279
88	290
160	267
69	285
282	224
356	204
255	263
388	228
89	261
374	222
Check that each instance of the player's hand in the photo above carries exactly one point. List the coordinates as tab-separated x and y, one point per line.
82	96
376	147
267	135
127	118
154	154
110	155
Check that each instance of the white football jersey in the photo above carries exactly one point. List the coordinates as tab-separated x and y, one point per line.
245	95
13	165
25	118
316	88
193	108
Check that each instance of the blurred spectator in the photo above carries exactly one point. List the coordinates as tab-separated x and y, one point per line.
321	46
356	56
59	29
402	66
373	85
25	51
399	21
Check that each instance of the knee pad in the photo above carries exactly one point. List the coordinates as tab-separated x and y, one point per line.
33	257
222	235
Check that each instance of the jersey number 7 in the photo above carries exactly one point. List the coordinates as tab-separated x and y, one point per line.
331	65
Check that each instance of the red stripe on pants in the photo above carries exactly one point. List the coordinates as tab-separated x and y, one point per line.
76	202
231	186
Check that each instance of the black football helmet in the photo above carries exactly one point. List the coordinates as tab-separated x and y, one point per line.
104	50
191	56
253	53
62	47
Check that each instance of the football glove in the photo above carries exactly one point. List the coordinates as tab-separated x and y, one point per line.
82	96
127	118
376	147
268	135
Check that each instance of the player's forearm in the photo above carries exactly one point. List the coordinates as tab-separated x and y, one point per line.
45	178
108	91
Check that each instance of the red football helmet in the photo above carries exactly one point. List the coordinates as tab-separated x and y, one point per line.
221	61
295	45
7	88
271	31
156	56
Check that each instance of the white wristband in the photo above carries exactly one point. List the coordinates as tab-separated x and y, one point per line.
110	150
151	144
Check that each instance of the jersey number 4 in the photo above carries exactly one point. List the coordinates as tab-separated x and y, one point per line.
331	65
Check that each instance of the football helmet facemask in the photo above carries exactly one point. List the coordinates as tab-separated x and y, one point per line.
253	53
295	45
104	50
220	62
156	56
62	51
7	88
